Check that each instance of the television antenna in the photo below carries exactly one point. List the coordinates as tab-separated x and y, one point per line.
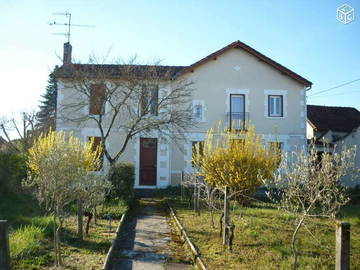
68	24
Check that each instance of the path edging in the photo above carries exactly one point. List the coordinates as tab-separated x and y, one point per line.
197	258
110	252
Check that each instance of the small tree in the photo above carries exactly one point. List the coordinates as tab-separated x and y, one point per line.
309	185
23	130
91	190
234	161
58	164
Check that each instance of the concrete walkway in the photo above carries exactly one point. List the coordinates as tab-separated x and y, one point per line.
144	243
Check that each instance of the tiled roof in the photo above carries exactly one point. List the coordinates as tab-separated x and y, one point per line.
66	71
342	119
118	71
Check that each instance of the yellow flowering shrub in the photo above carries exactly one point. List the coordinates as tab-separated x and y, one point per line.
236	158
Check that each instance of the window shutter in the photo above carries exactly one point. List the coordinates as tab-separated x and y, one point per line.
97	98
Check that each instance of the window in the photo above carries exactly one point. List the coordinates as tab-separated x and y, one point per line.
196	146
275	104
237	111
149	101
97	98
98	143
198	112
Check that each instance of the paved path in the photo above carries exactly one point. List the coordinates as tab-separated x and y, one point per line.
143	245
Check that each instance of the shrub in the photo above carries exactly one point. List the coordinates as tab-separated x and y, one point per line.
12	171
122	177
25	241
113	208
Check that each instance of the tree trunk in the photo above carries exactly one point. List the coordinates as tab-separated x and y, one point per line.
226	218
95	217
198	200
293	243
89	215
80	220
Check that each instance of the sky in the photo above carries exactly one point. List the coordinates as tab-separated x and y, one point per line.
302	35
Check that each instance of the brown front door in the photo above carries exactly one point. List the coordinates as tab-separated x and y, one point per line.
148	161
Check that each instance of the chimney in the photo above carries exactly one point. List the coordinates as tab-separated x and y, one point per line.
67	53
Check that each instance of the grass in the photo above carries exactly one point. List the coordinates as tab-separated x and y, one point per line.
263	238
31	235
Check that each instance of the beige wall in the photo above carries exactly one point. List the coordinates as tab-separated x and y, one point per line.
233	72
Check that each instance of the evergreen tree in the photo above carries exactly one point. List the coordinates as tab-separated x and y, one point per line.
47	114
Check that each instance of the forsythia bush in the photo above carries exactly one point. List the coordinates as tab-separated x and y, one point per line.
236	158
61	171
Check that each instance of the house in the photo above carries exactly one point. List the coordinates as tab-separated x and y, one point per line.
234	83
334	127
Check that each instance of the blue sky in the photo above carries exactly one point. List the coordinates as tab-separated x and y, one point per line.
302	35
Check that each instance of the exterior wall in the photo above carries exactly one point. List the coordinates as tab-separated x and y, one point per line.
352	139
237	72
234	72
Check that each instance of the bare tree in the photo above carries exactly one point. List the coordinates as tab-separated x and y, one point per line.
19	133
126	98
309	186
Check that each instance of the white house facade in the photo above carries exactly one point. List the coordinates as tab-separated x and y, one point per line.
234	83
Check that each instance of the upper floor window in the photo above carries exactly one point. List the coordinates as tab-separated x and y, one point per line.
149	102
237	111
198	112
97	98
275	105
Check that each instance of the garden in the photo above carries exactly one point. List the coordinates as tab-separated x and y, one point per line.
40	207
244	207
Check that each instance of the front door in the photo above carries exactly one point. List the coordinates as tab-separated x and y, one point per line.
148	161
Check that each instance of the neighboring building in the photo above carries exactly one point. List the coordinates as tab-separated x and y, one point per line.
234	83
334	127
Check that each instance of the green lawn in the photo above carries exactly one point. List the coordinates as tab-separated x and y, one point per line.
263	238
31	235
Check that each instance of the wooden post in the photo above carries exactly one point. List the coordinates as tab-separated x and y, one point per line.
198	199
4	246
195	195
182	184
226	217
342	246
80	220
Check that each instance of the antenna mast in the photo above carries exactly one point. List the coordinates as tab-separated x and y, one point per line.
68	24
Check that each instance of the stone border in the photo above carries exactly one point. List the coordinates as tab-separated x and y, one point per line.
110	252
197	258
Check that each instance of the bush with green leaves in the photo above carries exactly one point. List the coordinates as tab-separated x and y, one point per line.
122	177
12	171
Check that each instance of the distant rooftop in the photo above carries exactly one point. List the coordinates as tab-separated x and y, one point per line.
325	118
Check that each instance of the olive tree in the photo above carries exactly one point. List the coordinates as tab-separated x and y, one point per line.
59	166
309	185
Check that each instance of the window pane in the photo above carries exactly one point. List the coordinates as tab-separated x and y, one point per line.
237	104
275	106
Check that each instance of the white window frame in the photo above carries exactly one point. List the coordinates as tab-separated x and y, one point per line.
272	109
271	92
199	104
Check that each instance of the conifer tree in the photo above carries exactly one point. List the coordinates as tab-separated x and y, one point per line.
47	113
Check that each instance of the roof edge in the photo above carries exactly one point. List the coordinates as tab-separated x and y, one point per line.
252	51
